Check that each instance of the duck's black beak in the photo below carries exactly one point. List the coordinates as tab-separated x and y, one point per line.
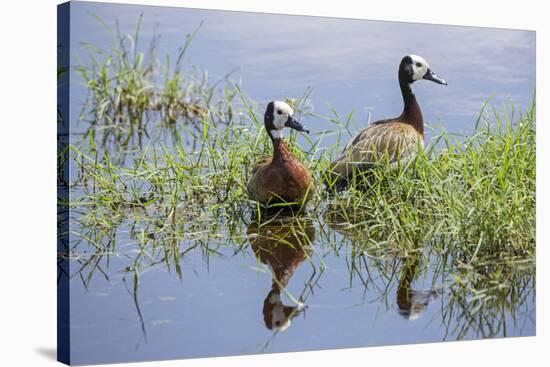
430	75
295	124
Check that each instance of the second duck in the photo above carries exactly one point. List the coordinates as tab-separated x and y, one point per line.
398	137
281	178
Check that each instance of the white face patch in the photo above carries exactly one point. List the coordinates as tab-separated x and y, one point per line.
419	67
279	320
281	112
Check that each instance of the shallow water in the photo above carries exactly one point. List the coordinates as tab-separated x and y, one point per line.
225	292
300	276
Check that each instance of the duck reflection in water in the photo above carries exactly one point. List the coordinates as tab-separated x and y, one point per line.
411	303
282	244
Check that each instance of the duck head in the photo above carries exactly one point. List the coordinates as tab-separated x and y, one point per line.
279	115
413	68
277	316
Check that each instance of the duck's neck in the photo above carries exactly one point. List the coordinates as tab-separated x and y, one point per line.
281	152
411	110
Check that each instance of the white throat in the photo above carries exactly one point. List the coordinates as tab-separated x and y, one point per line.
276	134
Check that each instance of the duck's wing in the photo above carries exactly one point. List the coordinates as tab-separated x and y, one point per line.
390	140
369	131
260	163
253	186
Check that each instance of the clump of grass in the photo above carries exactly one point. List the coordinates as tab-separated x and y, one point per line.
477	194
130	89
474	199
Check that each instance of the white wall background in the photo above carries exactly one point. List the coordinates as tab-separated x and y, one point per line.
28	179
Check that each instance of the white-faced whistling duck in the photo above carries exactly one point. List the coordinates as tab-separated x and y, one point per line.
397	138
281	178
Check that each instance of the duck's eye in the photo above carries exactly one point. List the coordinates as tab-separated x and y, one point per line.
279	112
418	65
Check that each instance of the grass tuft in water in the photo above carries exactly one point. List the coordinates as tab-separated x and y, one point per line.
130	90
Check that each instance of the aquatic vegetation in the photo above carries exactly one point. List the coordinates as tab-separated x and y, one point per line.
130	89
464	208
477	194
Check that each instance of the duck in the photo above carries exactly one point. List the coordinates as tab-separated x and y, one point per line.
281	178
398	137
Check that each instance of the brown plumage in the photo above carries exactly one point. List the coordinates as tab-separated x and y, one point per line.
281	178
396	139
